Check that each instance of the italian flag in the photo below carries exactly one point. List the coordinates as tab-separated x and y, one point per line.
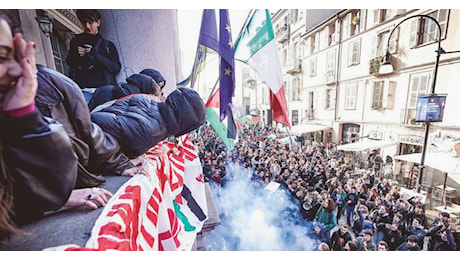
213	115
256	46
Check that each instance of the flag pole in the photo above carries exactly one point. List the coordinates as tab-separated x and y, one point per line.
245	22
195	62
213	89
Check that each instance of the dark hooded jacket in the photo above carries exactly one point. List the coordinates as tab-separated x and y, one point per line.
135	84
140	121
99	67
37	154
98	153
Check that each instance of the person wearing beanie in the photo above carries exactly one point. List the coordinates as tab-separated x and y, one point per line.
159	80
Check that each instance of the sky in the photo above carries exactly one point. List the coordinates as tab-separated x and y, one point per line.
189	22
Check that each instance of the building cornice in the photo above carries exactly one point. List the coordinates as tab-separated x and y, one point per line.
67	18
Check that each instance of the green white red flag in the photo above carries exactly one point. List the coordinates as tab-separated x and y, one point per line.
256	46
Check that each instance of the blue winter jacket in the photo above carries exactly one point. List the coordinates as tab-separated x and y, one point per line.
139	121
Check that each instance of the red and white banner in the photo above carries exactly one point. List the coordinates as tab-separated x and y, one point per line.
161	212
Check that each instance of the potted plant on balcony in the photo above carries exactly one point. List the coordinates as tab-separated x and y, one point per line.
374	64
355	20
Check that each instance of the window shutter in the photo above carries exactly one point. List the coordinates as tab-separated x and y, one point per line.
374	43
376	16
347	26
350	54
389	95
413	39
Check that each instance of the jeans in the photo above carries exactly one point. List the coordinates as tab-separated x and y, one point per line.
349	211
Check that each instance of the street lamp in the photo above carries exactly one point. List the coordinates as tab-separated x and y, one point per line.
387	68
45	23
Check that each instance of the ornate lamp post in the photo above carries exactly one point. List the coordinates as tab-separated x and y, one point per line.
387	68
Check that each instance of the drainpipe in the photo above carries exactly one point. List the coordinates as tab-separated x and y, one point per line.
339	50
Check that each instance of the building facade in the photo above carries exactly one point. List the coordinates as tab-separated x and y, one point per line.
337	81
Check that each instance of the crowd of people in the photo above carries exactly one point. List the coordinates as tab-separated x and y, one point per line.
347	211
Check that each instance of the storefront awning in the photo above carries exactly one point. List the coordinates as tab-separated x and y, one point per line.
303	129
441	161
365	145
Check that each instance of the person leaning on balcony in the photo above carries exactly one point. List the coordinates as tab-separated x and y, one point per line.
38	167
148	81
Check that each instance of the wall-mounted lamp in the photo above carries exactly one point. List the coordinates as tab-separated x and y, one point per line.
45	23
386	67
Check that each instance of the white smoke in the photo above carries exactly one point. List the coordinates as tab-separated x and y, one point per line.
256	219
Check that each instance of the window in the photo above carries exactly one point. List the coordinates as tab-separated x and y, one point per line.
294	15
418	86
308	46
381	41
382	15
246	101
377	95
329	99
354	52
59	53
350	95
330	67
311	100
295	117
313	67
285	56
353	23
315	43
424	30
296	90
331	34
383	95
265	95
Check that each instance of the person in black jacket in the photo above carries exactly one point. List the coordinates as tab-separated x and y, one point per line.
93	60
38	167
412	244
351	199
140	121
340	237
441	237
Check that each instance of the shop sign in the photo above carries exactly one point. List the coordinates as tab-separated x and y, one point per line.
411	139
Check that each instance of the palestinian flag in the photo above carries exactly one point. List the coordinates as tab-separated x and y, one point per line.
250	120
221	127
271	135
